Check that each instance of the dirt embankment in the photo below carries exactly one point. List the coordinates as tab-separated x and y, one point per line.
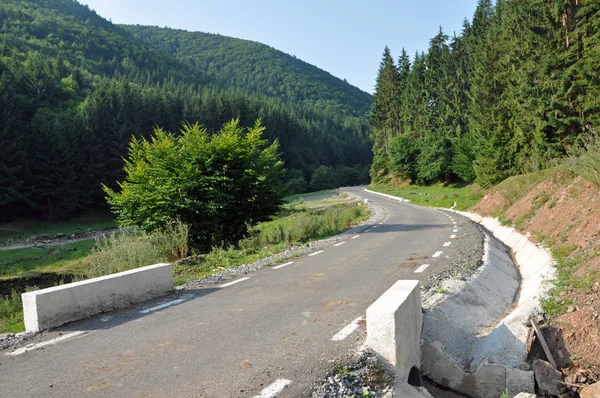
563	213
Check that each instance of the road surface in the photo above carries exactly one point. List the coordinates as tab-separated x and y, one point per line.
271	331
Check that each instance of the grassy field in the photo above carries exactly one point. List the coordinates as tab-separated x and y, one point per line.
438	195
69	258
20	230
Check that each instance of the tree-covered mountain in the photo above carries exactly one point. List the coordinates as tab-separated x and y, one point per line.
516	90
255	67
74	88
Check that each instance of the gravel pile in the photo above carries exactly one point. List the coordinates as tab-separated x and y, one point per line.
378	213
360	376
9	340
466	262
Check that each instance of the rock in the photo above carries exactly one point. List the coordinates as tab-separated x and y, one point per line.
524	366
525	395
591	391
72	236
60	235
5	336
546	377
571	308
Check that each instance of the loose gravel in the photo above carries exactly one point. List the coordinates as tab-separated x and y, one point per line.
378	213
359	376
467	256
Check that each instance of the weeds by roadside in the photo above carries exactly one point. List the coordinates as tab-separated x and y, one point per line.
437	195
132	248
294	226
11	314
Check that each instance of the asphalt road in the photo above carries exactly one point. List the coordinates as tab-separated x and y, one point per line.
238	340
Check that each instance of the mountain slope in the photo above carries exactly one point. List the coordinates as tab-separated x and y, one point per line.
74	88
255	67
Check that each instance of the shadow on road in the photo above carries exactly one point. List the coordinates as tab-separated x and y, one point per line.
111	319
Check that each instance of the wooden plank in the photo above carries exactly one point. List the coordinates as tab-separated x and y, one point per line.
543	342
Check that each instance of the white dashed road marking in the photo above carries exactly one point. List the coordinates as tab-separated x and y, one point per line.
348	330
455	230
421	268
283	265
355	236
437	254
339	244
447	244
164	305
452	236
315	253
32	347
234	282
374	226
275	388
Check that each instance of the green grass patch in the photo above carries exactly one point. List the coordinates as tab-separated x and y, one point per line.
438	195
300	197
60	258
11	314
19	230
514	188
294	225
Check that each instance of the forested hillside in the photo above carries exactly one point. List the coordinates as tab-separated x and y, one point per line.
74	88
256	67
518	88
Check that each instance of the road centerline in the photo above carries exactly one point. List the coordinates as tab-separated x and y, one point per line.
234	282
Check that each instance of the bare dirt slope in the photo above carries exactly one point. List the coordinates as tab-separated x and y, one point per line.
562	212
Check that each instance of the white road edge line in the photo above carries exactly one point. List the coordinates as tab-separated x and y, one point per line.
421	268
374	226
283	265
315	253
339	244
32	347
234	282
355	236
447	244
275	388
368	230
437	254
163	305
347	330
455	230
452	236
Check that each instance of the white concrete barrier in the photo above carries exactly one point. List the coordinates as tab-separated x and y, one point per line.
55	306
394	323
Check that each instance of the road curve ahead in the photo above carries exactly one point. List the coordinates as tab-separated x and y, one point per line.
271	333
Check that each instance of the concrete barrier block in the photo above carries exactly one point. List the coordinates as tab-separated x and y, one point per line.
394	323
55	306
491	224
541	259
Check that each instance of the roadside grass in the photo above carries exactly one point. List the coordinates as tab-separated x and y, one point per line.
293	226
19	230
437	195
302	196
567	262
68	258
11	314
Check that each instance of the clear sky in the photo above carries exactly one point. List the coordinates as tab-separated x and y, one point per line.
345	38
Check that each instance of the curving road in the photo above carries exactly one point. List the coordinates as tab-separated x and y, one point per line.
255	336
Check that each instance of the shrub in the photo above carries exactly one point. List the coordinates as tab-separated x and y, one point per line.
214	183
584	159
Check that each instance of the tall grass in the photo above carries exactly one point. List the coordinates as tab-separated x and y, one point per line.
132	248
11	313
584	159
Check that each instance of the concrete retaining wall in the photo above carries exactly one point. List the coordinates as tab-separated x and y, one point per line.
55	306
394	324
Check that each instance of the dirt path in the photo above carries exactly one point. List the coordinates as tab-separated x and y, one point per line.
29	242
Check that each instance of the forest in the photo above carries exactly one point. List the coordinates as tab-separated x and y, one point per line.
75	89
516	90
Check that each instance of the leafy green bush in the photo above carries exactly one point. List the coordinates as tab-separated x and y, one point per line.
214	183
11	313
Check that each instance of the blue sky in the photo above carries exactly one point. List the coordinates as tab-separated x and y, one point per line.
345	38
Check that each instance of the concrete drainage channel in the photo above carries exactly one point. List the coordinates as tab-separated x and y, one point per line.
474	335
